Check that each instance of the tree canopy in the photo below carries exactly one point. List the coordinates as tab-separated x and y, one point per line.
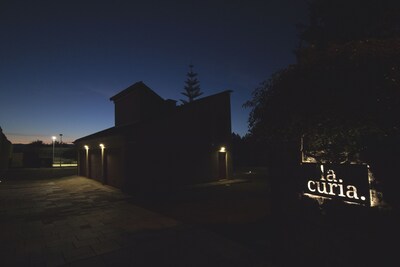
342	21
192	87
343	94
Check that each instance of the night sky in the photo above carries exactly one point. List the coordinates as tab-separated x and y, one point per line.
61	61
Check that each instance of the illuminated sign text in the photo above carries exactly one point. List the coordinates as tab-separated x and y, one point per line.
345	182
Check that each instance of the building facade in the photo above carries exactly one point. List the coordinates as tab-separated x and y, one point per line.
5	152
156	144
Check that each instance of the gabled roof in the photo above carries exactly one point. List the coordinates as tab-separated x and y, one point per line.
102	133
211	96
139	86
123	128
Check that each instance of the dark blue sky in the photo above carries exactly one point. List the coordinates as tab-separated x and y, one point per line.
61	61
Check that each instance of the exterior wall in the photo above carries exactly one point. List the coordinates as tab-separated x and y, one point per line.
38	156
127	110
83	168
182	148
136	106
114	169
107	169
95	165
5	152
17	160
176	149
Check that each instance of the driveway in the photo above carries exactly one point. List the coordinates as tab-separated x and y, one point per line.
75	221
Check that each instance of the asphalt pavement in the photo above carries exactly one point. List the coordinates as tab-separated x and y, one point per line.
50	219
76	221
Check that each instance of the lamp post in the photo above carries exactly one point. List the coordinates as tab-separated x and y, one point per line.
54	139
60	148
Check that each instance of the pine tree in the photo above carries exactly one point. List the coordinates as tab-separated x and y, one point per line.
192	87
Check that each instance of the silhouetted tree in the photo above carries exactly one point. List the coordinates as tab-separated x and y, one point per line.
343	94
192	87
247	152
342	21
237	151
37	143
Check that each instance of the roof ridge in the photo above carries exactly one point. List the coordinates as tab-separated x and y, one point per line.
136	86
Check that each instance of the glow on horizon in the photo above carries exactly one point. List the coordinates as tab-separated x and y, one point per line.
26	139
64	86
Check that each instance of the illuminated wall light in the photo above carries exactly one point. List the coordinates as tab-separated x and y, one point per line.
222	149
102	146
87	161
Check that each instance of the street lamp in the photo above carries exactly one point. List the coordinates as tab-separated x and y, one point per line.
54	139
60	147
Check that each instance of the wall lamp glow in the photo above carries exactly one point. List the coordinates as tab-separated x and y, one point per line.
86	147
102	146
222	149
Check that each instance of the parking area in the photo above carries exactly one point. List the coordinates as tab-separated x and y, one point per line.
75	221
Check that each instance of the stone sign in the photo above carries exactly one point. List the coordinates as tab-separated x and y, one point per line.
345	182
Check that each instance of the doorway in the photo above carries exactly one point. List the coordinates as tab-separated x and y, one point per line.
222	165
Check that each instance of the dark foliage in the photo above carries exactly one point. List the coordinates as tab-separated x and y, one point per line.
343	94
247	152
192	87
344	91
342	21
339	100
37	143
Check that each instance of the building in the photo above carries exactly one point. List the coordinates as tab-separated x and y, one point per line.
39	155
5	152
156	144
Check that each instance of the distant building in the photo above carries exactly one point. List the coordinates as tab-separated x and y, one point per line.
5	152
41	155
156	144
